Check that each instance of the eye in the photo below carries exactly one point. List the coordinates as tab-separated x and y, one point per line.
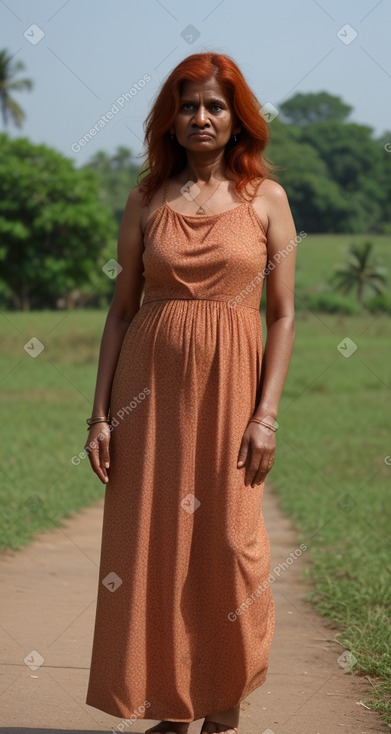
218	106
187	105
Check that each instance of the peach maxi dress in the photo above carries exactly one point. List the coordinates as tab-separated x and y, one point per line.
185	614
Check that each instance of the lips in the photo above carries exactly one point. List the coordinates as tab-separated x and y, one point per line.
201	135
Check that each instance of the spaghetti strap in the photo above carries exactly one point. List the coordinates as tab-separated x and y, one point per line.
254	194
251	202
165	191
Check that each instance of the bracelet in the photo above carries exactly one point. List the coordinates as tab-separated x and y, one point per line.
96	423
99	419
263	423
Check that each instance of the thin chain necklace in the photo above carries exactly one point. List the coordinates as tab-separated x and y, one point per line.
201	209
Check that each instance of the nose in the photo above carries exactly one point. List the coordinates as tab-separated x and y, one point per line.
200	117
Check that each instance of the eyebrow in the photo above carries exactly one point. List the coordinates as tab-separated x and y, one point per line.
213	99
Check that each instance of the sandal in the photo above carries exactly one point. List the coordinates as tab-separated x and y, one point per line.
165	727
216	725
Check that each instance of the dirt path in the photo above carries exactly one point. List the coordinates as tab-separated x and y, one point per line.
49	597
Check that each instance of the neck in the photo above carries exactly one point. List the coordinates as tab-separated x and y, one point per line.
206	169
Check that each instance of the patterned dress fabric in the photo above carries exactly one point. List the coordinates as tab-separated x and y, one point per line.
185	614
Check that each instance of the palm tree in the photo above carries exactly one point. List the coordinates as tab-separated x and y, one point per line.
359	272
8	70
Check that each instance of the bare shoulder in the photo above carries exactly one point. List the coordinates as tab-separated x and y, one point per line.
146	210
271	191
270	202
136	198
134	210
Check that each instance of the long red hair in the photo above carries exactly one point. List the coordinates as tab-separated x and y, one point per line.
244	159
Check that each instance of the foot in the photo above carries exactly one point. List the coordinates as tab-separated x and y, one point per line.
169	727
213	727
224	722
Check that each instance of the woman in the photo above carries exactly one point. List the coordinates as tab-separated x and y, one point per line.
185	614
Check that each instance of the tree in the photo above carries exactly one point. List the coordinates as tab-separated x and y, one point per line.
359	272
8	70
316	201
347	149
337	174
303	109
53	226
118	175
383	179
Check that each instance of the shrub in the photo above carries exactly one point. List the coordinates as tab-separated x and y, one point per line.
378	303
328	302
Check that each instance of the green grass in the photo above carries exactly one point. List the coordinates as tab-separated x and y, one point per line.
317	255
332	479
44	403
330	469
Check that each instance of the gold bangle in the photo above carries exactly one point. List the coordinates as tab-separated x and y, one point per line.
97	419
263	423
96	424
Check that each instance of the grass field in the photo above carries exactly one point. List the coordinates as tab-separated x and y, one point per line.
333	479
44	403
317	255
331	472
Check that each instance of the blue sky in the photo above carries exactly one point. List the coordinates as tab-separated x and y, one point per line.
92	52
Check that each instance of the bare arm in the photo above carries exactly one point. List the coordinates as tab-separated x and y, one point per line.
280	309
259	444
124	306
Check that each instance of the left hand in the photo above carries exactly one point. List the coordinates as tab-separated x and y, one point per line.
257	453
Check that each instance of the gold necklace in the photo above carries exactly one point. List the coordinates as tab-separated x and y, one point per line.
201	209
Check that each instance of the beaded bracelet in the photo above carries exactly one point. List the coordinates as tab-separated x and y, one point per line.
263	423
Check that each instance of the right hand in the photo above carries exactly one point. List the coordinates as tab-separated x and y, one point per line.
97	443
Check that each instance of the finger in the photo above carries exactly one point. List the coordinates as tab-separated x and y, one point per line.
255	455
262	472
258	467
100	471
252	469
93	453
243	452
104	454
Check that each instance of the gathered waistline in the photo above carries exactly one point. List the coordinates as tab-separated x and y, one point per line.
223	299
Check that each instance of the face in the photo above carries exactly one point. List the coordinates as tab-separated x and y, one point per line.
204	121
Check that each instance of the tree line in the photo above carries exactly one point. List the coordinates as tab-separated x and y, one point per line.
336	173
58	223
